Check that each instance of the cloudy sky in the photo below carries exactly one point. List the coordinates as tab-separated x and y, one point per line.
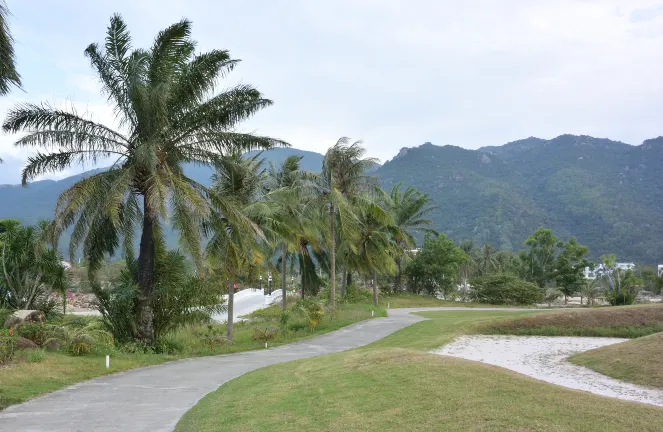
393	73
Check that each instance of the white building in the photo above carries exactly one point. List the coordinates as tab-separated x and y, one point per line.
600	269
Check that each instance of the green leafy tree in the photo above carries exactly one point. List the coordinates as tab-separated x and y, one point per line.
164	100
341	183
570	266
8	75
539	260
621	285
31	269
436	266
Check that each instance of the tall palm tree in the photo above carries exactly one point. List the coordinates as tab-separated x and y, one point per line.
376	248
287	190
488	259
8	75
169	114
341	183
409	211
234	225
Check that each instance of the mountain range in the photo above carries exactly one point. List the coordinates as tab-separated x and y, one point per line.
606	193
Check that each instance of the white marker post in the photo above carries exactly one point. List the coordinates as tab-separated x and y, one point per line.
372	313
387	305
107	361
265	344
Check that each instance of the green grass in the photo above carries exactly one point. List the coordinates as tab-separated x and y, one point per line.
623	321
393	384
25	380
639	361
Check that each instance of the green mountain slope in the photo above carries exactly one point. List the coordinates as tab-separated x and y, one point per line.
606	193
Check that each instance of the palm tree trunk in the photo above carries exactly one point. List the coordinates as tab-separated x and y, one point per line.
284	256
146	257
345	276
231	305
399	275
375	288
332	257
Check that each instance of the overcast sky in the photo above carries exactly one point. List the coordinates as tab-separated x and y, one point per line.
393	73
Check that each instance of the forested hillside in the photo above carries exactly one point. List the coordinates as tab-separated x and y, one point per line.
606	193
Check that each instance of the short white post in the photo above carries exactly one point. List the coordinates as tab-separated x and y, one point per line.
372	313
265	344
107	361
387	305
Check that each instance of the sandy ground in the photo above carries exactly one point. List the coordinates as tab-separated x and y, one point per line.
544	358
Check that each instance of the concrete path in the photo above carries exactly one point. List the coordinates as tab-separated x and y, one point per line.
155	398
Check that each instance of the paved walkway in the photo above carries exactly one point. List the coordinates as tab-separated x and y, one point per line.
155	398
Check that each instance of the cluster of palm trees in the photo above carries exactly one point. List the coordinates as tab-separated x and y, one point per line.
169	114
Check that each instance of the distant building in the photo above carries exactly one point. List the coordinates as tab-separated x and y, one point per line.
600	269
413	251
65	264
660	270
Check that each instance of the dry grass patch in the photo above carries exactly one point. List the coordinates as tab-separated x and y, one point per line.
624	321
639	361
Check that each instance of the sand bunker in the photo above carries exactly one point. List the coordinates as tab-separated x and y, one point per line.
544	358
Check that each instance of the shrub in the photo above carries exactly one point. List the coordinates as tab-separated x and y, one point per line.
33	331
212	336
180	297
4	315
8	346
619	298
297	326
169	345
313	311
284	318
35	356
264	334
504	289
353	294
78	340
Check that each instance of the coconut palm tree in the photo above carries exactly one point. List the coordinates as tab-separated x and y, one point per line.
289	189
340	185
234	225
376	247
8	75
169	115
408	210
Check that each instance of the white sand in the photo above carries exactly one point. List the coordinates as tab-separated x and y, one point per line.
544	358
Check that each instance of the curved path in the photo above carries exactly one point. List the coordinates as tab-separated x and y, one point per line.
155	398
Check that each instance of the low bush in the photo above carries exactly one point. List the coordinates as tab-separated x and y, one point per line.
313	311
619	298
354	294
297	326
4	315
265	334
169	345
80	340
504	289
8	346
212	336
35	332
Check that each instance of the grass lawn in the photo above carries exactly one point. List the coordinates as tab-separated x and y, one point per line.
639	361
623	321
22	380
393	384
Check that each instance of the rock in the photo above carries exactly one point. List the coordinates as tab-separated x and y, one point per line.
12	321
24	343
25	316
52	345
